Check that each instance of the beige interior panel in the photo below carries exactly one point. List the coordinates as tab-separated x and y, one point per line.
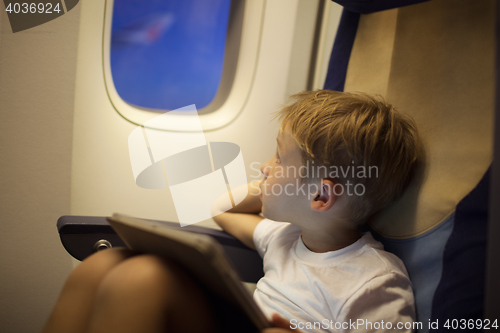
440	71
370	62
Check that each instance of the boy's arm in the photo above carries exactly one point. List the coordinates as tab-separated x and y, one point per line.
241	220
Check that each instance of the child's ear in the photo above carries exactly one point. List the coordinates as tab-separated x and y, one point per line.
324	200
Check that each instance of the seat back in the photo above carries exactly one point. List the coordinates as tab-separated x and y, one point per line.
435	61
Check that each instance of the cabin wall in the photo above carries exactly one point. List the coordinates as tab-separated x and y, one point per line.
37	82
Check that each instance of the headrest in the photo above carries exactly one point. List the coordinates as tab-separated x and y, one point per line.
434	61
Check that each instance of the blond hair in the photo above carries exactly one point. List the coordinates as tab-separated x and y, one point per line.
353	129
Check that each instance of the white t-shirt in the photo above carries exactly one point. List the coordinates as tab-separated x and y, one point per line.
358	288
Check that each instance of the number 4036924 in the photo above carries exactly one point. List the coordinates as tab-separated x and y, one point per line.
484	324
26	8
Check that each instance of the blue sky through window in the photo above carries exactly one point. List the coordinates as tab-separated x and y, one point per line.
166	54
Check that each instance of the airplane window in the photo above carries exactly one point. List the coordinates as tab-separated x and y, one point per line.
165	55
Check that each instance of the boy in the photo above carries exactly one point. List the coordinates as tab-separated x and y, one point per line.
320	272
340	158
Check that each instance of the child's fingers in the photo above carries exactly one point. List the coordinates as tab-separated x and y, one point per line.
279	321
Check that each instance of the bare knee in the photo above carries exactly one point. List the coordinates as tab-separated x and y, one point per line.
159	289
92	270
75	303
143	276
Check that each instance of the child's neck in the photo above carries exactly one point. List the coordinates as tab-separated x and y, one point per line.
329	241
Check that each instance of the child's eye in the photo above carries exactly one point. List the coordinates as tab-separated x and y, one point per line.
278	159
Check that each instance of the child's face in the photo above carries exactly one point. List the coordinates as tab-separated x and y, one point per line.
284	196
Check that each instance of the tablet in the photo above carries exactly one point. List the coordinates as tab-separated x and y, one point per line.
200	255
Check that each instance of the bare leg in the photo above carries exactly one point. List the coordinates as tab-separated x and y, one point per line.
112	291
73	308
149	294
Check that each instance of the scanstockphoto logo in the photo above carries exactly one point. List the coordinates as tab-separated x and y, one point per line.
353	179
198	173
28	14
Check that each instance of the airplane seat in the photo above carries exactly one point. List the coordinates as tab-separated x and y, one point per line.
435	61
447	264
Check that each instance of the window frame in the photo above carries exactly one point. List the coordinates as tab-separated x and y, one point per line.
240	63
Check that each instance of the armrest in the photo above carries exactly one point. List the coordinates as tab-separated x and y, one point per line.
81	236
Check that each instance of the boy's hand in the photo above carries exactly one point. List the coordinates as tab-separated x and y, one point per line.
252	203
280	325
